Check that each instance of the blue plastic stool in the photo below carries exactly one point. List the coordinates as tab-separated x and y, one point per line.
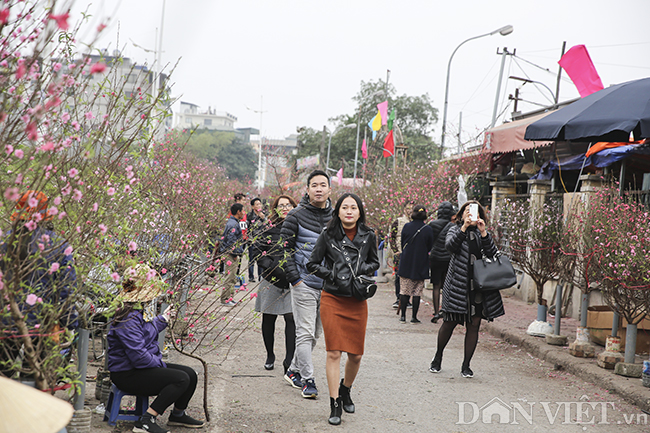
114	412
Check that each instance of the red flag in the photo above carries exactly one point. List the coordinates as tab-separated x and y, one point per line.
364	150
389	145
578	65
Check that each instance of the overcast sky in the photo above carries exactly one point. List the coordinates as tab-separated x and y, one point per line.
307	58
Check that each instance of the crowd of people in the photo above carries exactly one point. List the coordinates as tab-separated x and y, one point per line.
311	258
309	254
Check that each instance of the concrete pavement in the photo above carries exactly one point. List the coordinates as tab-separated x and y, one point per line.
512	329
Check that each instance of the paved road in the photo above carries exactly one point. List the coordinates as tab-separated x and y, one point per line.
395	392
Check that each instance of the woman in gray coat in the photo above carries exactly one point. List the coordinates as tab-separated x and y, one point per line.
460	304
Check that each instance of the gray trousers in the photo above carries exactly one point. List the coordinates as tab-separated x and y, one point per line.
305	303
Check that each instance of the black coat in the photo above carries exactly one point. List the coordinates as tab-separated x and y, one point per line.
455	291
440	228
331	259
414	261
270	247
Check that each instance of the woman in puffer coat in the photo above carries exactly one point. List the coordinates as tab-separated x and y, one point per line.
460	304
346	249
439	256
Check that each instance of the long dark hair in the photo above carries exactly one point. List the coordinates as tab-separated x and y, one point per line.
275	218
334	227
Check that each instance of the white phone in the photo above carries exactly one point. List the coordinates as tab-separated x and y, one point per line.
473	212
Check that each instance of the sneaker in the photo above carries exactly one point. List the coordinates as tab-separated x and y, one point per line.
466	372
147	424
415	320
435	366
293	377
185	421
395	305
309	389
229	304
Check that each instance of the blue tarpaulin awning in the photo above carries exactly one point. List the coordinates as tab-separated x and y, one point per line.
604	158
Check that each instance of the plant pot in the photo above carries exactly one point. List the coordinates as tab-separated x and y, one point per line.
81	421
613	344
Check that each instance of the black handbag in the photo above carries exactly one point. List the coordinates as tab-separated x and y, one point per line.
493	274
362	287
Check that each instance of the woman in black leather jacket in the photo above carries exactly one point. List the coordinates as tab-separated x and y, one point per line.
347	248
273	297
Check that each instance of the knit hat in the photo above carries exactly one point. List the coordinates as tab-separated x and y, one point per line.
32	202
141	284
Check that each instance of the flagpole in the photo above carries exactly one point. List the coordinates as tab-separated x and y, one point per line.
365	164
356	150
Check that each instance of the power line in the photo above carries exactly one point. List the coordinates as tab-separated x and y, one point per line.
591	46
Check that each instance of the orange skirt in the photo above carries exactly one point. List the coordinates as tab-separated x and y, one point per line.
344	323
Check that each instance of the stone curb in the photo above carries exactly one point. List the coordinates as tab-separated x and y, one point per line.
584	368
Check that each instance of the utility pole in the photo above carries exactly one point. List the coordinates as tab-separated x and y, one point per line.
559	75
460	128
496	99
322	149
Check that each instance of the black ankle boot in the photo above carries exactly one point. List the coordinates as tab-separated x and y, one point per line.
344	393
335	413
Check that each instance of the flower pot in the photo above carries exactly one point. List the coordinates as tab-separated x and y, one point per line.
81	421
613	344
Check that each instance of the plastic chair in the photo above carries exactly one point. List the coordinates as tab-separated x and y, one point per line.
115	413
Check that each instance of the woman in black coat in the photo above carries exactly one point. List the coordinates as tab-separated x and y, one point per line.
273	297
417	240
439	256
460	304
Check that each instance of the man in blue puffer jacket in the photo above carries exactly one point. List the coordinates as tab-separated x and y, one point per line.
300	230
231	248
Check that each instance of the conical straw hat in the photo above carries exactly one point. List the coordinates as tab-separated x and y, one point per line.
26	410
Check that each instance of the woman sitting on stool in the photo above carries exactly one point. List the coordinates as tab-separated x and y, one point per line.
135	360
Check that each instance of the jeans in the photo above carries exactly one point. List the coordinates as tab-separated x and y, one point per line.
305	303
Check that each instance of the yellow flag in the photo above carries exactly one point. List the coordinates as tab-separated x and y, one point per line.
376	122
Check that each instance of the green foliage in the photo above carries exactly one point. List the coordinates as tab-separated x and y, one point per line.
225	149
415	118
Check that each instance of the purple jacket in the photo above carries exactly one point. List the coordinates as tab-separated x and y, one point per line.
133	343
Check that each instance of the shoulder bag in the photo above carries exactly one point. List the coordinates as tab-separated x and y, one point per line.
362	287
494	273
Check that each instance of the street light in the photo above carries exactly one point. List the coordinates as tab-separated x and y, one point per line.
329	145
259	161
503	31
526	80
356	148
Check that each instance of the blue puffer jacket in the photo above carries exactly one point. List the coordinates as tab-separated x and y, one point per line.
300	231
232	242
133	343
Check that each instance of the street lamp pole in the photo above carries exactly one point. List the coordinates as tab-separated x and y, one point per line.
503	31
329	145
356	148
527	80
259	161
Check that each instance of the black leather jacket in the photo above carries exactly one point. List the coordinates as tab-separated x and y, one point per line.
331	259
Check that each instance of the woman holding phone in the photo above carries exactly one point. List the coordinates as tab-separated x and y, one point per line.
460	304
346	249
